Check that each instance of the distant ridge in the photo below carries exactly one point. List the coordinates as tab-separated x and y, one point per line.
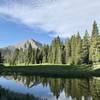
25	45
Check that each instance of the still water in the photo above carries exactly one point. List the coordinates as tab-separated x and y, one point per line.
46	88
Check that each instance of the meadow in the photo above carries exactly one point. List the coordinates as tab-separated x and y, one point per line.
53	70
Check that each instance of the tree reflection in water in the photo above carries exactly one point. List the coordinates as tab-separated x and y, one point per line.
6	94
77	89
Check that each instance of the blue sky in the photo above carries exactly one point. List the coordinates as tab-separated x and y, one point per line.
44	19
12	33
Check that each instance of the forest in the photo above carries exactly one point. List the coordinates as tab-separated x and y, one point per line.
75	50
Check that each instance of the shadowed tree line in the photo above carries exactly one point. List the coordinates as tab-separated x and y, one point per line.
74	51
1	59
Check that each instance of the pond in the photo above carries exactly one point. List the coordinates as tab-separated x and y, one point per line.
47	88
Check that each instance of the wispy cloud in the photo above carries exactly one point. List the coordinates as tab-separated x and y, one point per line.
65	17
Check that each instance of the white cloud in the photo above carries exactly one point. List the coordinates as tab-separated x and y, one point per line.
65	17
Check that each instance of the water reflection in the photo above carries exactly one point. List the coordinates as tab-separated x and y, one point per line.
54	88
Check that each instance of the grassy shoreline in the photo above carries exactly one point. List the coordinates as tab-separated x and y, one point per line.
53	70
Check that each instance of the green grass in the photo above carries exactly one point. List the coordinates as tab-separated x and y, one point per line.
54	70
50	70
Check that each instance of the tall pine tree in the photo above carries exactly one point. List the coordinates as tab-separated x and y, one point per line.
55	51
98	50
85	48
73	45
29	54
45	50
78	49
1	58
68	51
93	43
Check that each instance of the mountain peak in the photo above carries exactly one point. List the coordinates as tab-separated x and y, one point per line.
25	44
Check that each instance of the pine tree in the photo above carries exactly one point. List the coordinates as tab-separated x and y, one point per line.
39	56
95	31
85	48
98	49
93	44
1	59
45	50
68	51
53	51
50	55
33	58
78	50
21	56
63	55
14	58
58	51
73	45
29	54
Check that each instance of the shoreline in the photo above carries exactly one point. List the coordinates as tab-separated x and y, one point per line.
65	71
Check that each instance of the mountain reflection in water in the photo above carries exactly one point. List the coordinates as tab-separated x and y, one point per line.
53	88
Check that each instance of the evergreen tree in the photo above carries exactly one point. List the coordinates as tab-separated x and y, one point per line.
95	31
53	51
56	51
14	58
29	54
63	55
78	49
68	51
50	55
98	49
33	58
39	56
21	56
85	48
1	58
73	45
45	50
93	44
